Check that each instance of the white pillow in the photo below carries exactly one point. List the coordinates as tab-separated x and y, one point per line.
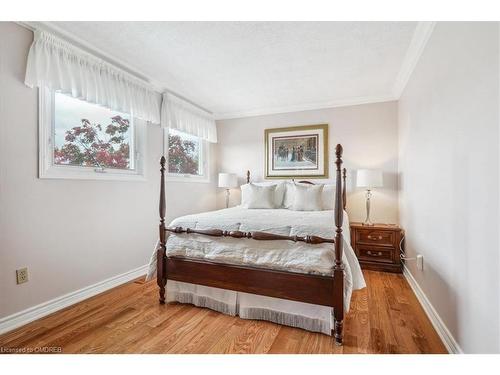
254	196
278	194
328	197
289	195
307	197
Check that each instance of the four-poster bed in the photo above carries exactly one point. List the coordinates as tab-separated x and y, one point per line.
318	289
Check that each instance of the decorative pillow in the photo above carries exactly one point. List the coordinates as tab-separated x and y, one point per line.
254	196
278	194
289	195
307	197
328	196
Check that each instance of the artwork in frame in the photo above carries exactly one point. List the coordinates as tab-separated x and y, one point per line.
298	151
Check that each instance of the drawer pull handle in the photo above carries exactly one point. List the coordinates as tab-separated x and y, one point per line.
370	237
374	254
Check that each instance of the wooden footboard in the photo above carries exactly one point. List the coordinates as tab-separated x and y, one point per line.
315	289
300	287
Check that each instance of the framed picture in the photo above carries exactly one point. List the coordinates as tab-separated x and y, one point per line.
298	151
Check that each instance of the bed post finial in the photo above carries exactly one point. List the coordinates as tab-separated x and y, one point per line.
338	153
248	177
161	266
344	192
338	267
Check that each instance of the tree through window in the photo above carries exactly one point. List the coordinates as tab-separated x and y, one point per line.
184	154
88	135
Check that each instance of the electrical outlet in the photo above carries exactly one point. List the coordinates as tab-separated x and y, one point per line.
22	275
420	262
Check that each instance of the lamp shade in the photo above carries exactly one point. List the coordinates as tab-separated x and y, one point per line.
369	178
228	180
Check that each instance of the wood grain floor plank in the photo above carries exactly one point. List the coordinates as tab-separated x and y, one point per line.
205	337
225	341
257	337
287	341
385	317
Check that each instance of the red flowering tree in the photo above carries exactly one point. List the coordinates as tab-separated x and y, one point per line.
182	155
87	145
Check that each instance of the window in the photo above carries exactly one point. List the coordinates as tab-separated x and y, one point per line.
84	140
187	157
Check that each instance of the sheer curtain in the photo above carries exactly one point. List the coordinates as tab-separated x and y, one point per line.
59	65
178	114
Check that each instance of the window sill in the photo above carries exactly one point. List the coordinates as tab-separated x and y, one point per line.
55	173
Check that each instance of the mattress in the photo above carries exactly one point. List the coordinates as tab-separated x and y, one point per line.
278	255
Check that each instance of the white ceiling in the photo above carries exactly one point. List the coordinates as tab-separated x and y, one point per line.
236	69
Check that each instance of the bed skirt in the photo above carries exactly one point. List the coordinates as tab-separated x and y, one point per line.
250	306
224	301
288	319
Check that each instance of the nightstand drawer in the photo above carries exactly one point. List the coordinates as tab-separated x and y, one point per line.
375	254
377	247
375	236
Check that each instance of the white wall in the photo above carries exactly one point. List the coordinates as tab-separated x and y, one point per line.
368	133
69	233
449	170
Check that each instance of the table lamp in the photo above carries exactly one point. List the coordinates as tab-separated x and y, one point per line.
369	178
228	181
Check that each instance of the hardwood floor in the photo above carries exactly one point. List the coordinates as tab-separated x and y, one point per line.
385	317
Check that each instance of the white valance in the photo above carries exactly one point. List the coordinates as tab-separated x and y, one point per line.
178	114
58	65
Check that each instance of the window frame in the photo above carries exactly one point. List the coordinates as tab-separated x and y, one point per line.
47	169
205	162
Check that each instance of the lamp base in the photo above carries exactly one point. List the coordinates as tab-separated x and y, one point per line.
227	198
367	221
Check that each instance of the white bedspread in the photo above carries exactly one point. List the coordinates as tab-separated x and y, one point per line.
280	255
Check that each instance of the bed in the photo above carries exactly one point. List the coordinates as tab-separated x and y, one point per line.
289	267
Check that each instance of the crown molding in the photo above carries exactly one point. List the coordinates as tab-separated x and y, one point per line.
421	36
306	107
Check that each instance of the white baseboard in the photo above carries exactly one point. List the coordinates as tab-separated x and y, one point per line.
444	333
21	318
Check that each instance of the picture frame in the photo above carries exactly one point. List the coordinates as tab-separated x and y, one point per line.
296	152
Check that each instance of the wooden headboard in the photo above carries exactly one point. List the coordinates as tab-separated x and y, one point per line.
344	192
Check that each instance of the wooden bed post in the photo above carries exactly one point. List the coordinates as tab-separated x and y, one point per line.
344	193
161	259
338	268
248	177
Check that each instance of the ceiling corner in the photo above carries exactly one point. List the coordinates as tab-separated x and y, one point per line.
421	36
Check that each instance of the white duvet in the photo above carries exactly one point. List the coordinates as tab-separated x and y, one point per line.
279	255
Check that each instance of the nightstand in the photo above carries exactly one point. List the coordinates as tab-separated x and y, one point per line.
377	246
